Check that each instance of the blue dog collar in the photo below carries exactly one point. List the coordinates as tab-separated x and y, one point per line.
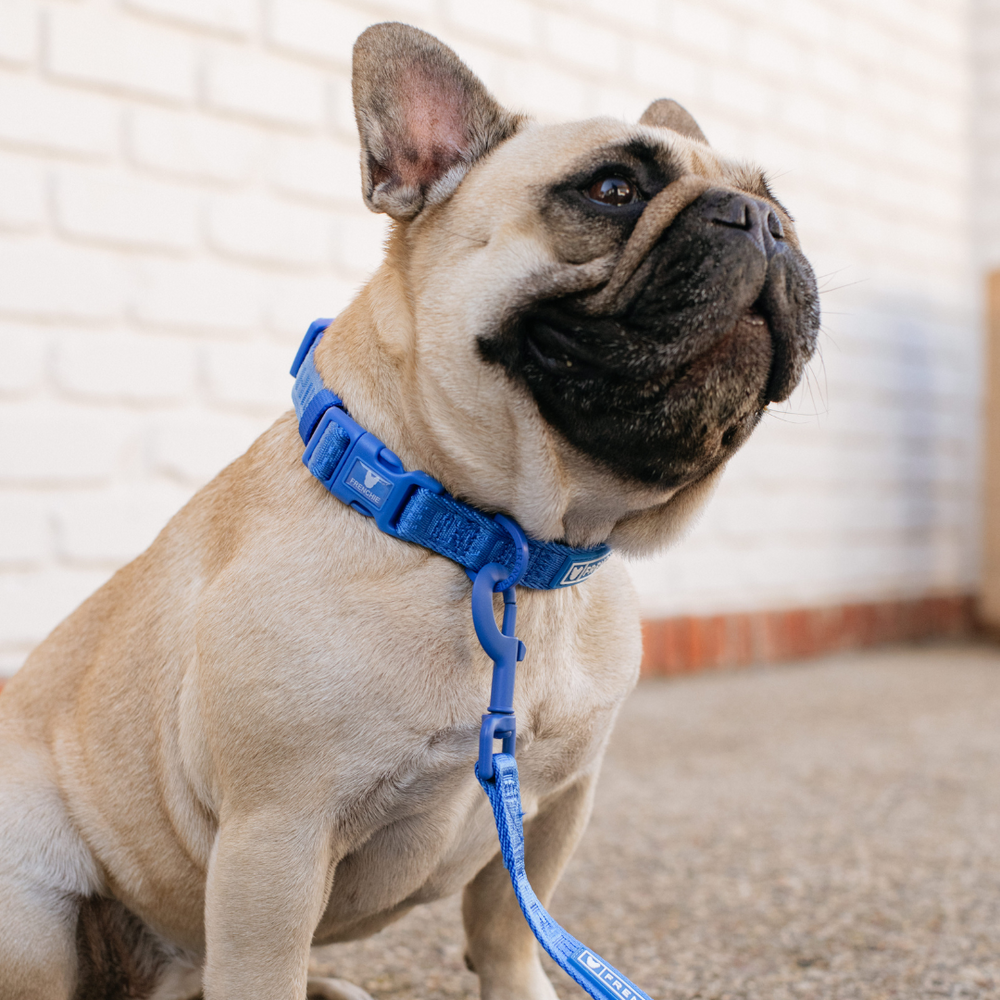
357	468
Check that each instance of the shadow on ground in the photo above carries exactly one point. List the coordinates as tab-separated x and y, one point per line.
828	831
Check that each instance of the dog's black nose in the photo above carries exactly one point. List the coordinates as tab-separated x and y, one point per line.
740	211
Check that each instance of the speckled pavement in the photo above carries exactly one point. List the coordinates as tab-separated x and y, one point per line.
827	830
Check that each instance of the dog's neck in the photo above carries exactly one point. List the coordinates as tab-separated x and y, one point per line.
501	457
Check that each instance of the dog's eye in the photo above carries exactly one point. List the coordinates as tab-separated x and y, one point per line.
612	191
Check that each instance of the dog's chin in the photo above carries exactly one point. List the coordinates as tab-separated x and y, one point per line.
640	412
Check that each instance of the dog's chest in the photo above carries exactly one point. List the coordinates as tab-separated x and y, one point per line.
435	828
420	824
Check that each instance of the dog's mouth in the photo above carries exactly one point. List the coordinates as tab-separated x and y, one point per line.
669	385
565	351
558	352
665	413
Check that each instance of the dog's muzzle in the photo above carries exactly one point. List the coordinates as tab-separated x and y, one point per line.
662	373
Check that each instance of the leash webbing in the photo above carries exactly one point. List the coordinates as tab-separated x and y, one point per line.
598	977
357	468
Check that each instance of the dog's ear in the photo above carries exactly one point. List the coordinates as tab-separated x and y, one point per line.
665	113
423	119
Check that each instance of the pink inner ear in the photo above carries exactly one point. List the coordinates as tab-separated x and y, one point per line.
435	138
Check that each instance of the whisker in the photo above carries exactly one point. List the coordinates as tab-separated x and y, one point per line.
848	284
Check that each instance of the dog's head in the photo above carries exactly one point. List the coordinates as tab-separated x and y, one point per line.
618	296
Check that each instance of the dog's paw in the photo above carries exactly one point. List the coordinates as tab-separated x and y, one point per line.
324	988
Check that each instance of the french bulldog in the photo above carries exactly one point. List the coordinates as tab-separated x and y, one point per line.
259	736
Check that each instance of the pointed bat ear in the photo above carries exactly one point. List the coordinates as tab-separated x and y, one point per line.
423	118
665	113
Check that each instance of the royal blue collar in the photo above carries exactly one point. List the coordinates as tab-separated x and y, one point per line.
357	468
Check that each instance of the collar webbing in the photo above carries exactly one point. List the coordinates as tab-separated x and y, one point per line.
357	468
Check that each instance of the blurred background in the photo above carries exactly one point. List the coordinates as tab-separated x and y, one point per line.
180	197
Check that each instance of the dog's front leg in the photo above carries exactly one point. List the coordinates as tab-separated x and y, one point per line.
268	881
500	946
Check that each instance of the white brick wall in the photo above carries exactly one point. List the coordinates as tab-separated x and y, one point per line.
179	197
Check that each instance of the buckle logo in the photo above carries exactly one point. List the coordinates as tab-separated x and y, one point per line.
579	571
608	976
365	480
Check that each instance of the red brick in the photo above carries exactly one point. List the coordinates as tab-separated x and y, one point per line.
689	644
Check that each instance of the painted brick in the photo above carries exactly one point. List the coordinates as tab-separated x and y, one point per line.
873	44
252	376
35	602
411	7
108	49
25	530
23	353
22	194
897	101
197	296
113	527
773	53
863	486
666	71
360	241
341	108
511	23
295	301
637	14
47	279
943	31
89	445
317	168
549	93
813	20
119	366
835	74
109	208
586	44
198	147
805	113
41	116
262	229
18	31
233	17
273	90
193	450
626	103
697	26
945	118
489	62
320	28
734	92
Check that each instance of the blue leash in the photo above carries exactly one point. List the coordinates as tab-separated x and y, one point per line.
357	468
598	977
497	773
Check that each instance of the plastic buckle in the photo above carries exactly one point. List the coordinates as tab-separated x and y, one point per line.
368	476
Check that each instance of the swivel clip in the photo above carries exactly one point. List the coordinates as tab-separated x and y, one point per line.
501	645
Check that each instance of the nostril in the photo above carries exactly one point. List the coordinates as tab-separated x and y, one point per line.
774	226
736	212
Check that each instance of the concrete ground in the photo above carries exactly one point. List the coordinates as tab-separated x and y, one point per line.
825	830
